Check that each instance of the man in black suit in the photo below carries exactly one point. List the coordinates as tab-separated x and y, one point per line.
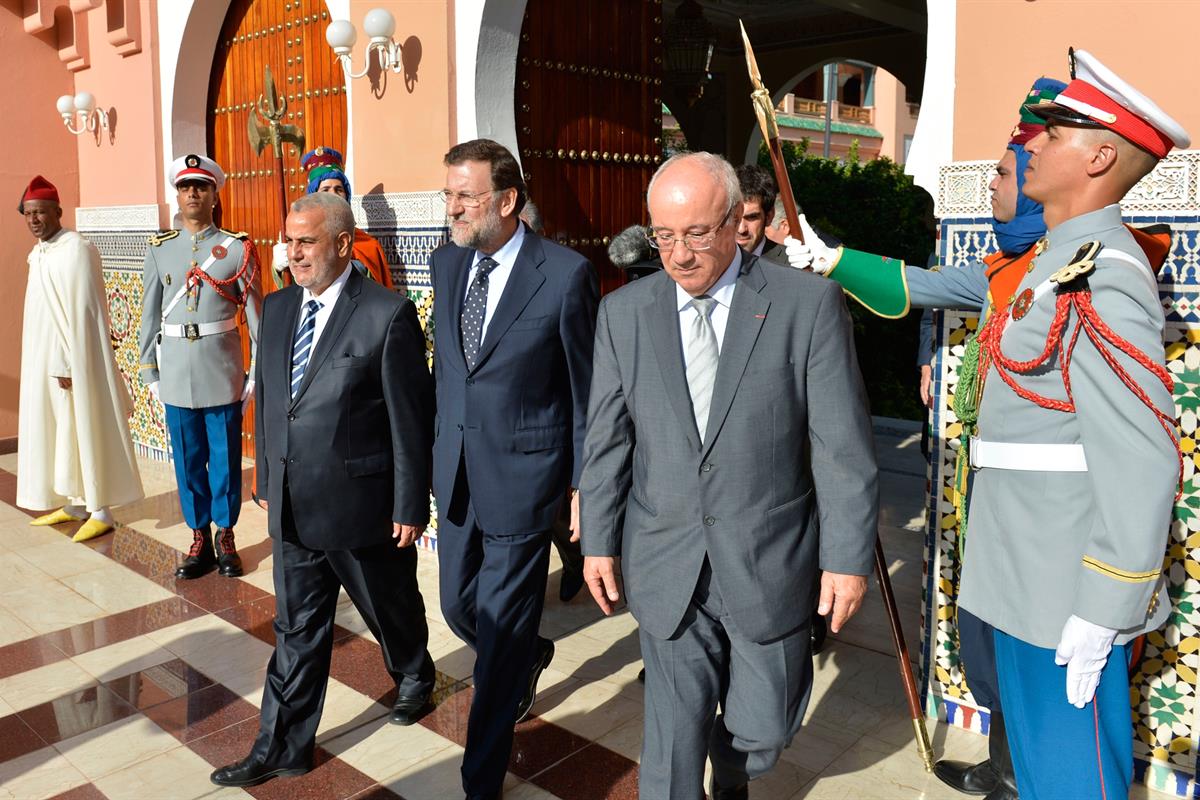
514	317
343	419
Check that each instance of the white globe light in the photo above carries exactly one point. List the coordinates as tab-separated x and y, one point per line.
379	24
85	101
66	104
341	34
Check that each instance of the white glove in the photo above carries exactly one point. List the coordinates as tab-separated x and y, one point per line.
813	254
152	387
279	256
1084	649
247	393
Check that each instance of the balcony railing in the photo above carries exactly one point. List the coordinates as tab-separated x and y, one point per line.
841	112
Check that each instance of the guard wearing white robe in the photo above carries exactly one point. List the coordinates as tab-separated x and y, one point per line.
74	449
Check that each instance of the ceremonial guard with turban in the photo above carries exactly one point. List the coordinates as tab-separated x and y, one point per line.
327	173
75	452
195	283
1075	457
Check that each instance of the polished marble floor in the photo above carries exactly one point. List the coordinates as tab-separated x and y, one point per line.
117	681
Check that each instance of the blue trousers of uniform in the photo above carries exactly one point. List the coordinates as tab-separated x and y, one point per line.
207	445
1061	752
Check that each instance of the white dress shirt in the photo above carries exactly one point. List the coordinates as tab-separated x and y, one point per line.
722	292
328	299
505	257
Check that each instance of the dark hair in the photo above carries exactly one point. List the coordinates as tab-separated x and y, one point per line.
758	184
506	172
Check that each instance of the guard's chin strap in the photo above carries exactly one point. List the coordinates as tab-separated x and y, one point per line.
1102	337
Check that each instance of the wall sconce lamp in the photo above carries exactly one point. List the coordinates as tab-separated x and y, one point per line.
83	104
379	25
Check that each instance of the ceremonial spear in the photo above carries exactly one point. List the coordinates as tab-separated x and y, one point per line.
765	110
271	107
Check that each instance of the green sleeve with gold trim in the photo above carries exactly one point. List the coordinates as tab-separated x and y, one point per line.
877	282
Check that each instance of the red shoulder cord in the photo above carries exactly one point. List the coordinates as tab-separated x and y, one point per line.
247	270
1100	334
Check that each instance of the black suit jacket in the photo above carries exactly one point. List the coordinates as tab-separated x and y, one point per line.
354	446
520	415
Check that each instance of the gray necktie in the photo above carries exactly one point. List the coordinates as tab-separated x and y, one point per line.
474	310
702	355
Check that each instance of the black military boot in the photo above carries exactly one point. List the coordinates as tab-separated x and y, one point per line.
201	558
229	563
1001	758
993	777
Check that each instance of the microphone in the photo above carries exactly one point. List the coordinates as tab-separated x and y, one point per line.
630	247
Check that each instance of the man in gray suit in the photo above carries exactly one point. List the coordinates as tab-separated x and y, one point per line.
727	421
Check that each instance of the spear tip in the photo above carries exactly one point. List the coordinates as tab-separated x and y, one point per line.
751	62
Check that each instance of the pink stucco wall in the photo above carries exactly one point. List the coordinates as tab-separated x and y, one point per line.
1003	46
33	141
401	136
126	168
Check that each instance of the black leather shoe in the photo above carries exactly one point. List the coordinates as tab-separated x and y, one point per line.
229	563
967	778
570	583
201	558
544	657
408	710
716	792
250	771
642	675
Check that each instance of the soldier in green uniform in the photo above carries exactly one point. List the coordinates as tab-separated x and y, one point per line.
195	283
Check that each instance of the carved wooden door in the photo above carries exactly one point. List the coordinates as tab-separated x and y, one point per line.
289	36
589	117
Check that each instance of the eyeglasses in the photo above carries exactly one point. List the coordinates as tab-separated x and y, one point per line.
464	199
696	242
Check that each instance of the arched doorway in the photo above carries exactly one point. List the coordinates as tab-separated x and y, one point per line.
288	36
589	117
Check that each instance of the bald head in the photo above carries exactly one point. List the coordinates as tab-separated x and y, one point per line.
695	207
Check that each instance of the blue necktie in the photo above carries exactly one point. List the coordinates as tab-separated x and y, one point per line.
474	311
303	344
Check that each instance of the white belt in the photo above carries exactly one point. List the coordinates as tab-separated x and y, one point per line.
1030	457
195	330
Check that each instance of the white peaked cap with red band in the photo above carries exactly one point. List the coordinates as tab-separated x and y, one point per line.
194	167
1101	98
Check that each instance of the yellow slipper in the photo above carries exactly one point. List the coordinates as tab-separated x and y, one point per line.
54	518
90	530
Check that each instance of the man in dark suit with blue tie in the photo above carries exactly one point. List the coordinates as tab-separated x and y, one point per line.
514	317
343	419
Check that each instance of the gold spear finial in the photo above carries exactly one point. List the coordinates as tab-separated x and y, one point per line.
760	97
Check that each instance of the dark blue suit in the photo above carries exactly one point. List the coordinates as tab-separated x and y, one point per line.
508	447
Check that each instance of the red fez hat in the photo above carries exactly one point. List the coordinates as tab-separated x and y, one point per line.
38	189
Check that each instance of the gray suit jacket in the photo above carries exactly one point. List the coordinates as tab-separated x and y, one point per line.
788	395
1042	546
204	372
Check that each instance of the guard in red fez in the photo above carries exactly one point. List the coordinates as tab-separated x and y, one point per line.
75	451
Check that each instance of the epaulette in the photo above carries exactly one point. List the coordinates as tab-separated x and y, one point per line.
164	236
1082	264
235	234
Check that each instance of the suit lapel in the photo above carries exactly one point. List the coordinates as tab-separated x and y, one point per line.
523	282
668	349
342	310
456	285
747	314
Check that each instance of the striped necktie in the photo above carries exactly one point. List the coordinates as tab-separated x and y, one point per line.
702	354
303	344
